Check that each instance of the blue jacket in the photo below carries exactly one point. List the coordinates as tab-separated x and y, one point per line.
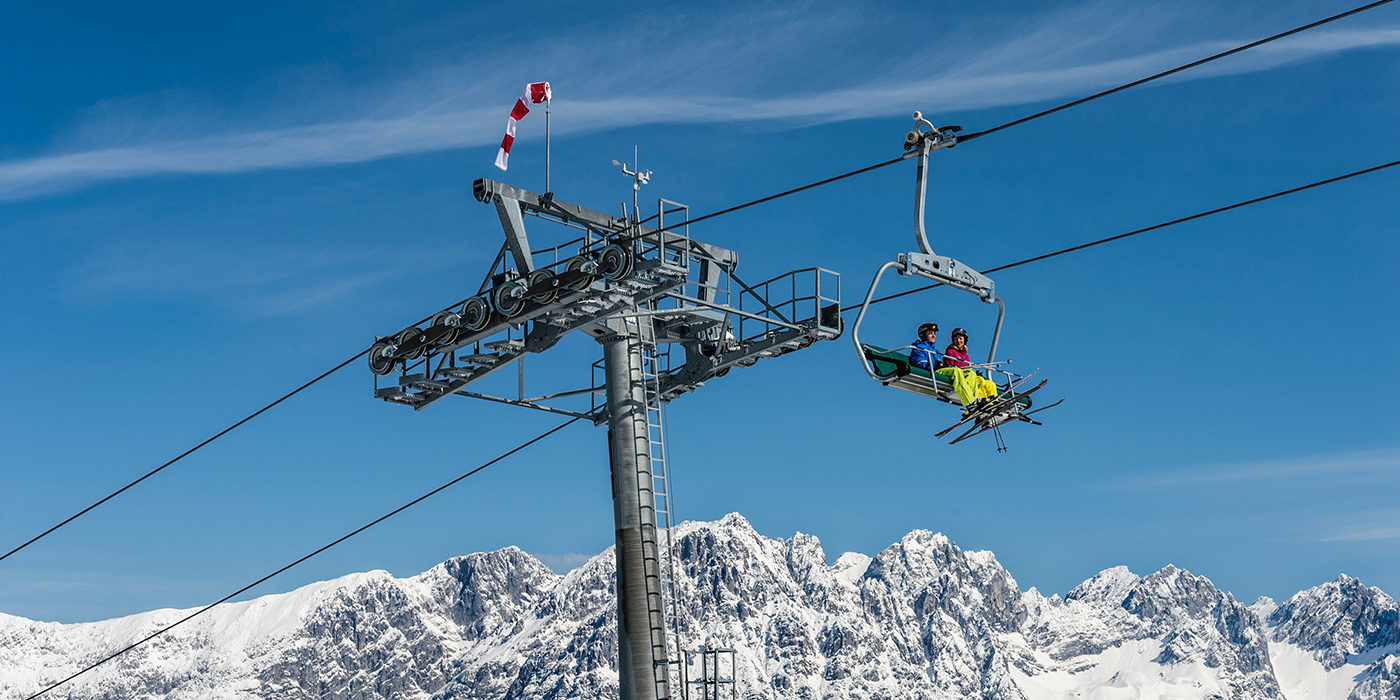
924	355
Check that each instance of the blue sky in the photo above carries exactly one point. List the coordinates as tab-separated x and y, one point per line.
202	208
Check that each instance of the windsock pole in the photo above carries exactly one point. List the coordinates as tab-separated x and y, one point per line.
546	147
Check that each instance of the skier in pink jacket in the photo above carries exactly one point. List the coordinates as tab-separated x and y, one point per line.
973	389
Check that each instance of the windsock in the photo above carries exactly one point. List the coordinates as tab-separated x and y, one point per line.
535	93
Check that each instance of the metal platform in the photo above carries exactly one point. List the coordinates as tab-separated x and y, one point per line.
686	291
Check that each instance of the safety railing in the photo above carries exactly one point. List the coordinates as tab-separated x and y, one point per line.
809	296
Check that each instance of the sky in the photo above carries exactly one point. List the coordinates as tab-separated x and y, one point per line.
203	207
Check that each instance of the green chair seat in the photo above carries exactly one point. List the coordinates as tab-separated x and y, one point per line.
894	369
895	363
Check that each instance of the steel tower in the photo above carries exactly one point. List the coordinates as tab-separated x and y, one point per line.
646	291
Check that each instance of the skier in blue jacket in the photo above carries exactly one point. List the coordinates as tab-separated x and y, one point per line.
925	354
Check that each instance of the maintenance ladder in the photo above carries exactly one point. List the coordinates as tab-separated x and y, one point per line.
657	554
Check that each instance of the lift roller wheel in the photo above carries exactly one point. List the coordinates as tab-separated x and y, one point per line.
614	262
476	313
544	287
509	298
411	341
580	263
447	325
381	357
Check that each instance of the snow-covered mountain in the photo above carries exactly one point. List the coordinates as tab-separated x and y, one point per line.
921	619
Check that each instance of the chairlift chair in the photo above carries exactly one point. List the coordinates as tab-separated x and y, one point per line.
892	367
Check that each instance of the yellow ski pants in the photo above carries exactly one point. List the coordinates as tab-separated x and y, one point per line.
968	384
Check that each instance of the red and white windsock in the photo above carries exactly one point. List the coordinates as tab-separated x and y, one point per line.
535	93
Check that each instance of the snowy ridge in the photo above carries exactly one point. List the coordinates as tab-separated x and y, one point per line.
1337	620
920	619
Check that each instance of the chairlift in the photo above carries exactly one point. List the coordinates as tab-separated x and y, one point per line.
891	366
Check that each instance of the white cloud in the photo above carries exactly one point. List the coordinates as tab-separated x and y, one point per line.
1373	525
1382	533
87	583
745	73
260	280
1372	462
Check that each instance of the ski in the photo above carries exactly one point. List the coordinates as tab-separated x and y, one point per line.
1042	408
1010	390
995	408
974	430
989	422
1019	416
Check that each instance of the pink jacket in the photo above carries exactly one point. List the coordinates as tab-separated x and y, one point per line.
954	357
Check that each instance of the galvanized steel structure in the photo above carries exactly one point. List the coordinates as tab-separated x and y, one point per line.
642	287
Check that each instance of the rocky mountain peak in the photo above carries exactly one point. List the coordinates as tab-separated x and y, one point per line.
937	574
488	589
1173	591
921	554
1108	586
851	566
730	520
1338	619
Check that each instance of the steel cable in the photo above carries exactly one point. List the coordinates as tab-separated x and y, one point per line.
201	445
184	454
323	548
1148	229
1037	115
1172	71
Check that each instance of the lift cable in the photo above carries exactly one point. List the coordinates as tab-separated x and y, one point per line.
1165	224
795	190
323	548
746	205
1037	115
184	454
1178	69
786	193
196	448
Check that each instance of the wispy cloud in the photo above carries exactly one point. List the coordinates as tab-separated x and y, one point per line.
1383	533
1363	526
1373	462
27	583
261	280
742	74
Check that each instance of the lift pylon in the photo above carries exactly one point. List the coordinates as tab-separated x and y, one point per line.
635	285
